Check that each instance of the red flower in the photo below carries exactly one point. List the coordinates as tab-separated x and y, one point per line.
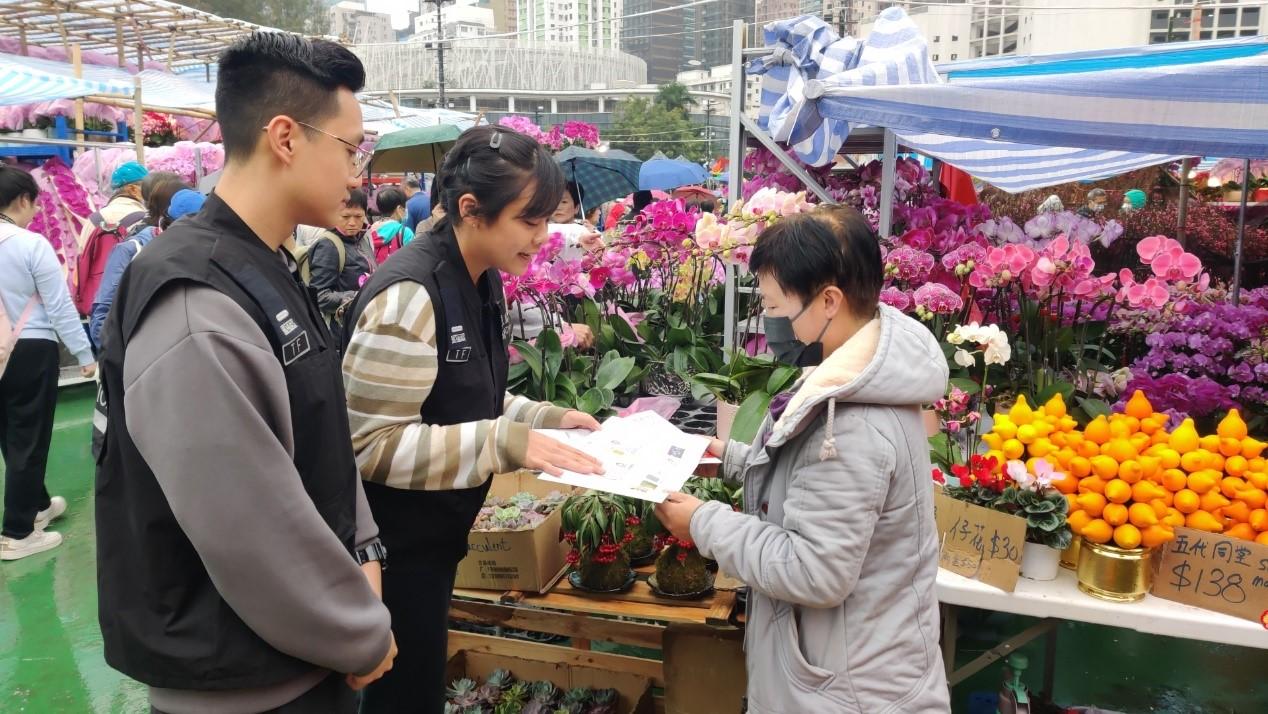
633	521
573	557
939	477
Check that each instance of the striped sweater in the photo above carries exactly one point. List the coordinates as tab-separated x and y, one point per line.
388	372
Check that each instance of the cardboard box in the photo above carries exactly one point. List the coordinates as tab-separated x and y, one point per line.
1214	572
530	560
635	691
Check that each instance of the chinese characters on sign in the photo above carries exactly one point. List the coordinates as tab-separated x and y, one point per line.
979	543
1214	572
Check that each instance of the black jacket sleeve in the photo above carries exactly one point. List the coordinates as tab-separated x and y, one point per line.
324	259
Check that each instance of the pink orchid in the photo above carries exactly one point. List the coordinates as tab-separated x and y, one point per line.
1062	264
1002	265
1151	293
513	355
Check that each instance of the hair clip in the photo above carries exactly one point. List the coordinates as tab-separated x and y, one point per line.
496	140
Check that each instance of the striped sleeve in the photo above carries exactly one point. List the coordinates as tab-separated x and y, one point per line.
388	372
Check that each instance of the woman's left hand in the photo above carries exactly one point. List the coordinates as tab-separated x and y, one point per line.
675	514
579	420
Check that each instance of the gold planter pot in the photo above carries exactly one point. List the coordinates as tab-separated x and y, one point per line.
1070	556
1114	574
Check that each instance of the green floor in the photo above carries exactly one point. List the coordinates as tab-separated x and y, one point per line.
51	662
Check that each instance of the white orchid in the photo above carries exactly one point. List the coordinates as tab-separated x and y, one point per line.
998	352
964	358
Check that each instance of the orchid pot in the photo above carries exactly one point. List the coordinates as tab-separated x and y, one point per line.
1040	562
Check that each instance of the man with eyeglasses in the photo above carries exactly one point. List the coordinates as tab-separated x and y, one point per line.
239	567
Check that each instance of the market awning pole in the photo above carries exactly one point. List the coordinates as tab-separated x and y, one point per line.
77	62
889	171
1183	210
735	149
1241	234
136	120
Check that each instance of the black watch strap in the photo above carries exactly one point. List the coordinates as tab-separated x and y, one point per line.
374	551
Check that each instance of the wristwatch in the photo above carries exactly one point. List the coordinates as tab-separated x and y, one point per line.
374	551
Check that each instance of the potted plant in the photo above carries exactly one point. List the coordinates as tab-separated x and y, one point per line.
1031	496
681	571
642	547
743	389
595	524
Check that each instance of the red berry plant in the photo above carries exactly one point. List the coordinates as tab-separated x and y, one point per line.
597	526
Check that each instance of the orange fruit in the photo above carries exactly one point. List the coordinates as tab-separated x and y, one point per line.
1066	485
1150	466
1115	514
1259	519
1240	530
1196	460
1217	462
1141	515
1004	427
1238	511
1080	466
1236	464
1131	471
1092	484
1160	438
1127	536
1077	520
1104	466
1174	518
1146	491
1027	433
1185	438
1174	480
1087	449
1258	479
1098	531
1210	442
1041	448
1055	406
1140	441
1203	521
1154	536
1253	497
1262	538
1187	501
1092	503
1170	457
1201	482
1149	425
1097	430
1013	449
1021	413
1138	406
1230	485
1212	500
1230	447
993	440
1161	509
1118	491
1252	448
1256	463
1232	426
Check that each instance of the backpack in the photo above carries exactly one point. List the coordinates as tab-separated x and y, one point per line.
304	255
91	264
383	248
9	333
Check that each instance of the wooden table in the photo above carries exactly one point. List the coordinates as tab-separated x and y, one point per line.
701	667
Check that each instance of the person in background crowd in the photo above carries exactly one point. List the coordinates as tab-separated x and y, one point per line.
425	370
159	187
837	541
437	211
238	564
352	222
389	234
1096	201
337	275
417	204
37	312
1134	200
127	204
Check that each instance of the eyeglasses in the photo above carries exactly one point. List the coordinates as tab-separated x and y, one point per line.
359	158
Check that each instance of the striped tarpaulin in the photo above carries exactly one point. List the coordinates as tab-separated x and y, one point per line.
25	81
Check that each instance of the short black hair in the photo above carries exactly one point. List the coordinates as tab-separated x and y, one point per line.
357	199
269	73
705	205
808	252
413	183
496	171
158	195
388	200
16	183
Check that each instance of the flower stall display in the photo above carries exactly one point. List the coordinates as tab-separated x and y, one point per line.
743	390
598	527
93	168
501	693
62	208
560	136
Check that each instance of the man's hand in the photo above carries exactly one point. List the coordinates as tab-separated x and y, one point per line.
592	242
579	420
88	371
554	457
585	336
357	683
374	573
675	514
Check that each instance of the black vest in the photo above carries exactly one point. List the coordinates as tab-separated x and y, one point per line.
470	385
162	620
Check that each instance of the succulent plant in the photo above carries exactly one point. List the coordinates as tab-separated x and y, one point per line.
498	681
604	701
513	699
542	697
462	693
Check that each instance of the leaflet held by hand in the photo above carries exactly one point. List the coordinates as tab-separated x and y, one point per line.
643	456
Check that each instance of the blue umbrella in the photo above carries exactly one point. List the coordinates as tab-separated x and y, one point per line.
601	175
668	174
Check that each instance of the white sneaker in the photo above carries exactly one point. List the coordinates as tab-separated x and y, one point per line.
37	542
56	507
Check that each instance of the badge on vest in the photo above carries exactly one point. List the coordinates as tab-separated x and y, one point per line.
295	349
457	351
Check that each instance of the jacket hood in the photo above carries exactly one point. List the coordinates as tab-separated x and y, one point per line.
892	360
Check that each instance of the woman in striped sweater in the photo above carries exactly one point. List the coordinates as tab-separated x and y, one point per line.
425	374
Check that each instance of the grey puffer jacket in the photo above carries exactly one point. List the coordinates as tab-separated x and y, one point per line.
837	541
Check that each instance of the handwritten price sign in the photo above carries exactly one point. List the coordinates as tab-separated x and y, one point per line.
979	543
1214	572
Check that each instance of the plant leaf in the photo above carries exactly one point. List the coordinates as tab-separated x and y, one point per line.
532	357
613	374
966	385
749	417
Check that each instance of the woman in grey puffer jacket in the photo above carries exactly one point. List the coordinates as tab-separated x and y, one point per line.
837	541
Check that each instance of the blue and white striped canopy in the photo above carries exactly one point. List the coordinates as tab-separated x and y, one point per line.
24	81
1022	122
